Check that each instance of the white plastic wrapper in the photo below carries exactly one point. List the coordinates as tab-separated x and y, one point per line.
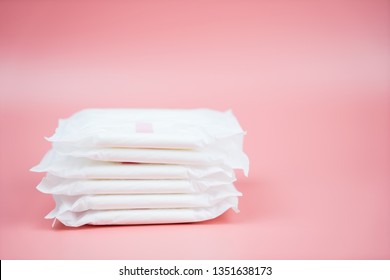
146	216
148	128
141	201
229	155
61	186
80	168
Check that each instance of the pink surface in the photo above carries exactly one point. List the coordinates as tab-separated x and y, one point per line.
308	80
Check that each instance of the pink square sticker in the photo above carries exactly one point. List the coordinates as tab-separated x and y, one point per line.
144	127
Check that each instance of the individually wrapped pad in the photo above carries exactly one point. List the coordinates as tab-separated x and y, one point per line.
147	128
70	167
56	185
231	155
146	216
141	201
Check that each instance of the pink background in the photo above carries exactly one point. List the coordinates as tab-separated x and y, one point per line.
308	80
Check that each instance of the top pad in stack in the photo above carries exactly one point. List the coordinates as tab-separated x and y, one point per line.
190	137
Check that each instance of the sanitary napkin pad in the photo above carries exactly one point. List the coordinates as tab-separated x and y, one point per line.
143	166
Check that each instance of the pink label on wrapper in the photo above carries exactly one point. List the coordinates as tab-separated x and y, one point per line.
144	127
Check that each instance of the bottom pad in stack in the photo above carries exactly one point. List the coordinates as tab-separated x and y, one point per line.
143	166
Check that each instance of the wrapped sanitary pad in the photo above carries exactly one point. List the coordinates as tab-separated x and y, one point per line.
148	128
70	167
146	216
142	201
143	166
231	156
51	184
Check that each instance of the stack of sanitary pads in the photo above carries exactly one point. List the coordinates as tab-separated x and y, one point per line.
143	166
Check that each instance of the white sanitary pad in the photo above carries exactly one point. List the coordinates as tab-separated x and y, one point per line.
227	155
62	186
141	201
148	128
146	216
80	168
